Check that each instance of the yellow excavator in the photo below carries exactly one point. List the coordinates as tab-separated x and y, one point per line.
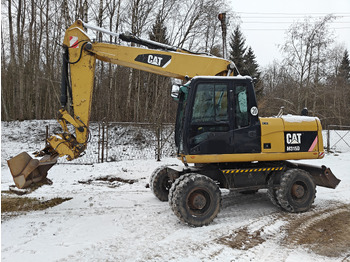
217	130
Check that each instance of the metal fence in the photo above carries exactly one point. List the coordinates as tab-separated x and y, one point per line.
115	141
337	138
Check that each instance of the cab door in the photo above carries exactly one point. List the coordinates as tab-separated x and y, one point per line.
218	118
209	127
246	124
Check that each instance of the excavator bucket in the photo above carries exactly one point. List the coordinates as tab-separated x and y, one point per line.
25	170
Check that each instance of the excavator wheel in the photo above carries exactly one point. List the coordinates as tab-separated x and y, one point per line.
196	200
160	183
297	191
173	189
272	193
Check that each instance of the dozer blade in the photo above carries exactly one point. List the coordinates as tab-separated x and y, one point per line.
322	176
26	170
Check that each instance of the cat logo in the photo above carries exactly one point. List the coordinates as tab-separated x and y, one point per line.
305	141
154	59
293	138
293	142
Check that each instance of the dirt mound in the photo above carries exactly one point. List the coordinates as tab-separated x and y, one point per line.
242	239
13	206
326	232
323	230
110	181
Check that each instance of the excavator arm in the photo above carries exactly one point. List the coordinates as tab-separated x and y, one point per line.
78	73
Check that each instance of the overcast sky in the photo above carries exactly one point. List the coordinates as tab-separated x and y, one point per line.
264	23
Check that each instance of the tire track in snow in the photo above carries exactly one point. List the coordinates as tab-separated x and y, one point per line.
276	228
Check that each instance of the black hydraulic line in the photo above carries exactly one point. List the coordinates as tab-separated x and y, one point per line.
64	78
145	42
155	45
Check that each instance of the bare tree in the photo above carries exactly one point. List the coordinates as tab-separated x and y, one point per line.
303	52
32	33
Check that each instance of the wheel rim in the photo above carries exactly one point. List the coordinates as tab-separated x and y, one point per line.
198	202
299	190
166	184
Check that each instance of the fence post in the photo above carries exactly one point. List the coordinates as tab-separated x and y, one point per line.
107	140
328	138
98	143
102	141
158	133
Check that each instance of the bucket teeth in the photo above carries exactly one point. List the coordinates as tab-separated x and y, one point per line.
26	170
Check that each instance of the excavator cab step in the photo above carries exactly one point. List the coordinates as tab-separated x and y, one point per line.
25	170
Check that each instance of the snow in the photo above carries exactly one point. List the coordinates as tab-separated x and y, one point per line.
124	141
117	221
298	119
238	77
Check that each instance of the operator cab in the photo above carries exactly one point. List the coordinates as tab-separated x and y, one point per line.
217	115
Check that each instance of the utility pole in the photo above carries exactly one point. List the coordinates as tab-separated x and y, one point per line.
224	21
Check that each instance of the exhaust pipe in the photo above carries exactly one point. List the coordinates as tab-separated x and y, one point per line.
25	170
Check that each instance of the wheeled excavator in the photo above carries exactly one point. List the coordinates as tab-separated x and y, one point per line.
221	140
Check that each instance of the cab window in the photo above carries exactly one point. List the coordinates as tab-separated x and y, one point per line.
210	103
209	114
241	102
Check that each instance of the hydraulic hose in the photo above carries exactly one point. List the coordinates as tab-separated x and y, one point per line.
64	78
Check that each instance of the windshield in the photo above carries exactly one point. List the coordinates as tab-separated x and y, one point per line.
210	103
180	115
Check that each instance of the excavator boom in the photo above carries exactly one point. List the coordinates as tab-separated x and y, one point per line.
78	72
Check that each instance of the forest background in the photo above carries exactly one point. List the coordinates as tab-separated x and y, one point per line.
314	71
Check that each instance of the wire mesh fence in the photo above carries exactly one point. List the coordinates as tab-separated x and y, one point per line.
337	138
115	141
111	141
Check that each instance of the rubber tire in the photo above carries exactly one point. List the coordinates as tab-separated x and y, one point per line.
191	185
285	197
160	184
173	189
272	193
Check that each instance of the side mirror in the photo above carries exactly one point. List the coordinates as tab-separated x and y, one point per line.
175	90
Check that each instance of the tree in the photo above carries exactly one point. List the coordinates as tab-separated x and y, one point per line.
159	31
251	67
340	92
277	90
238	49
242	56
304	55
344	69
157	103
32	33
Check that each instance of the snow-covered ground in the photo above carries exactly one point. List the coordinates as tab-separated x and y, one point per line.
116	221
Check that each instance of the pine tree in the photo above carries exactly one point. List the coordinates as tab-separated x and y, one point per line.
238	49
157	96
250	64
344	69
158	32
244	58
